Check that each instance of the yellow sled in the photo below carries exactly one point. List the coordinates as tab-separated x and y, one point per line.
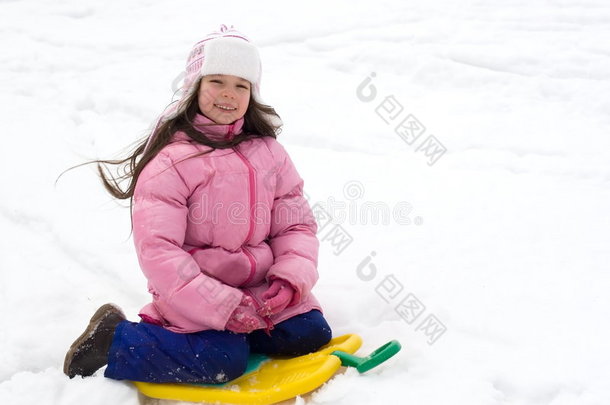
272	380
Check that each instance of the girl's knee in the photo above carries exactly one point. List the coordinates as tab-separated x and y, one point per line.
326	334
296	336
223	359
309	333
234	364
320	332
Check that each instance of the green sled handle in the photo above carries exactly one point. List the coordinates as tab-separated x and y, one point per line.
364	364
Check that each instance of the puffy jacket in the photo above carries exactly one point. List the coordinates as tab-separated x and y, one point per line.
211	228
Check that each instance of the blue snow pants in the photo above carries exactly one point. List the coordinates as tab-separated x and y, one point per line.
146	352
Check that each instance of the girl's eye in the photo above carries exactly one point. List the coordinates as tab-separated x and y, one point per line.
215	81
243	87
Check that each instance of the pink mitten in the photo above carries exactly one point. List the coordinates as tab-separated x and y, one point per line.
277	297
244	318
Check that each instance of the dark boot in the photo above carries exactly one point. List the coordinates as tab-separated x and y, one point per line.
89	352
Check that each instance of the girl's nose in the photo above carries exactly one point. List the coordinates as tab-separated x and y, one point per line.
228	93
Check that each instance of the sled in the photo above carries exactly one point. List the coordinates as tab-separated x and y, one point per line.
270	380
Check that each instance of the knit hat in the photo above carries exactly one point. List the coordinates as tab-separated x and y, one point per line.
226	51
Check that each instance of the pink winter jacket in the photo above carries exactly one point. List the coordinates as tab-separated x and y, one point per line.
212	228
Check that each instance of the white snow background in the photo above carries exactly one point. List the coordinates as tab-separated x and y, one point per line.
506	244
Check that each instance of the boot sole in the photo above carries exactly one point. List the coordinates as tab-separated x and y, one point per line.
94	322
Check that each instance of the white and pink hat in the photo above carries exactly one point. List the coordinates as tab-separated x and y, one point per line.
226	51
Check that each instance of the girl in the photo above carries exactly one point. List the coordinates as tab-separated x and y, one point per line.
222	232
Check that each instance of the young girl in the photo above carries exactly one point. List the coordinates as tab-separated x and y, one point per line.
222	232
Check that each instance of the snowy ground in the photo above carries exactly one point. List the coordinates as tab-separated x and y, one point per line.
506	242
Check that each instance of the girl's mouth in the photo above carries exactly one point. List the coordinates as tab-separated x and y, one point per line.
225	107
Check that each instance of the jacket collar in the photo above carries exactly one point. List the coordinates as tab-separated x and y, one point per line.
217	132
214	132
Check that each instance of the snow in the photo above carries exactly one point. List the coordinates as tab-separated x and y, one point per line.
501	244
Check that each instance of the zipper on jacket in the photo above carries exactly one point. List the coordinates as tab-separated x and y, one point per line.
252	192
252	198
252	265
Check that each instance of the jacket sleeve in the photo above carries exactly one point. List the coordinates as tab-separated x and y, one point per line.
185	297
292	237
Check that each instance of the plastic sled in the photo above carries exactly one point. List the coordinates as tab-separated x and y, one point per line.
269	380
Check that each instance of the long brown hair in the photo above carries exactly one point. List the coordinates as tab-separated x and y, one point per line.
260	120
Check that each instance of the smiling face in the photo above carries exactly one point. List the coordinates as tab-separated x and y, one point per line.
223	98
